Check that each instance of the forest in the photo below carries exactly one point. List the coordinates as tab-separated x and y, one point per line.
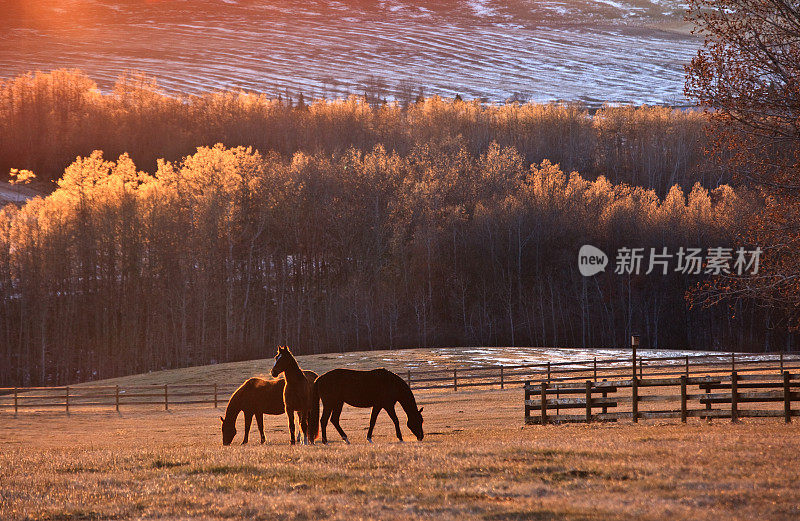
346	224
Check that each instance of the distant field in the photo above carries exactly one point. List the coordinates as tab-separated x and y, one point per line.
476	462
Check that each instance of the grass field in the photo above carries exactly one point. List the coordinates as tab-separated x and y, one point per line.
476	462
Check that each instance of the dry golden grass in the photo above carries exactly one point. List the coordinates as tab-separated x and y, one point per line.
476	462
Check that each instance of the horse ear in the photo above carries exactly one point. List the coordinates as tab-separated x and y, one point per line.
420	409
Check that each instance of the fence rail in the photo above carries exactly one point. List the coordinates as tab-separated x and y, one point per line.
451	378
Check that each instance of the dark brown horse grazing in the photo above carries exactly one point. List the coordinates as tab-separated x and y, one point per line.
255	397
379	389
296	393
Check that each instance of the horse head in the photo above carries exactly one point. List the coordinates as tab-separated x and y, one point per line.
282	359
415	424
228	431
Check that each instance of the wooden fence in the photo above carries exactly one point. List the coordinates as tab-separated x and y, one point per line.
731	396
609	368
452	378
113	396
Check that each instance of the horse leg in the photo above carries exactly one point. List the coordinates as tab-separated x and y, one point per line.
303	417
323	422
260	422
290	414
307	415
337	411
301	425
393	416
248	417
372	419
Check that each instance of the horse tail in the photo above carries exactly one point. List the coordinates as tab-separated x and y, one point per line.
313	418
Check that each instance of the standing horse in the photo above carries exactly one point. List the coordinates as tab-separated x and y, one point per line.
296	393
379	389
255	397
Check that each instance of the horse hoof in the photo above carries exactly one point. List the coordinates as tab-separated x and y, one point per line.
369	440
346	441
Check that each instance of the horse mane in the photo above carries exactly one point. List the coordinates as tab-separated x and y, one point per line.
406	399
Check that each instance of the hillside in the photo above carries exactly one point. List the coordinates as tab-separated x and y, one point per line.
399	361
582	50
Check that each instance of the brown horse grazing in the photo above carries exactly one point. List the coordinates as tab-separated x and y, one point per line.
255	397
379	389
296	393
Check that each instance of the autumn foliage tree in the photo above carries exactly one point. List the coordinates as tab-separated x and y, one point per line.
748	77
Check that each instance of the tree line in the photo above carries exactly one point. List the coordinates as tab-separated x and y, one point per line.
49	119
230	251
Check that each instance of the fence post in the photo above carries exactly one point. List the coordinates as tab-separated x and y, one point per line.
641	367
558	397
683	399
527	393
215	395
605	394
734	398
16	401
733	362
588	401
548	371
455	379
595	369
409	378
166	398
502	383
787	402
544	403
708	403
635	397
687	366
781	361
66	400
116	396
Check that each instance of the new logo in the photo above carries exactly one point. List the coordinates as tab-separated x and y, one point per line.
591	260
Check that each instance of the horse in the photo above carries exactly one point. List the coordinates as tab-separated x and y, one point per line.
255	397
296	393
378	388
